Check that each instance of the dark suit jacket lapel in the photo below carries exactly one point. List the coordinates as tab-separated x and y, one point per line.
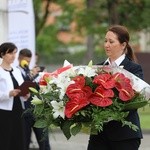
126	63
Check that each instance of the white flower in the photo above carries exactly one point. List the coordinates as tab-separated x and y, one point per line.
62	81
87	71
58	109
46	89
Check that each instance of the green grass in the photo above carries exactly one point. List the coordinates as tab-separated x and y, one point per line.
144	114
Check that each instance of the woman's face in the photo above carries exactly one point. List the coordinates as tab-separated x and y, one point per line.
9	57
113	48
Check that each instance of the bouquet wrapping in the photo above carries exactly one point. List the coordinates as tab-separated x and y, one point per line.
84	98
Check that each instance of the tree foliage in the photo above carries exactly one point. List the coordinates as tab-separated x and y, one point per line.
92	18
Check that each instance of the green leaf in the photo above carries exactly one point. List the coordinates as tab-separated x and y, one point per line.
130	124
76	128
66	128
38	109
40	123
135	105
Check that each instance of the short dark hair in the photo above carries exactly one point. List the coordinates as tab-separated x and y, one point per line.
25	53
7	47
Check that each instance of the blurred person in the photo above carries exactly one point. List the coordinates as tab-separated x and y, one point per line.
36	59
115	136
11	104
31	75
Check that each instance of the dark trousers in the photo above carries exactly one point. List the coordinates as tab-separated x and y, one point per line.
42	139
102	143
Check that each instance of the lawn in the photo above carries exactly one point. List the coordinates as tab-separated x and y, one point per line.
144	114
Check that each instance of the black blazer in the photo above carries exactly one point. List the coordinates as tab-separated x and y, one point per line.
114	130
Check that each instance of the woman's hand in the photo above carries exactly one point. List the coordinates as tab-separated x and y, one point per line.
14	92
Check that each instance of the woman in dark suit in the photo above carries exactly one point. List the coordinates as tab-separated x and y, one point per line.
115	136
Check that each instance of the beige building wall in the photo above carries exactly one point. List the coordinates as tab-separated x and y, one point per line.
3	21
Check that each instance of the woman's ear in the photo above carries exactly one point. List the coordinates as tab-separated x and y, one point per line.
124	44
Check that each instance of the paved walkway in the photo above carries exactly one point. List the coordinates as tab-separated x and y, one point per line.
79	142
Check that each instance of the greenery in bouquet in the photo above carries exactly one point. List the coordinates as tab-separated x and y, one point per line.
84	98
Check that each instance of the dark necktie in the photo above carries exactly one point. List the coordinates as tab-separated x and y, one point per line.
13	79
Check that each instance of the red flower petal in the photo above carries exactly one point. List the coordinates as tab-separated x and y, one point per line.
101	92
72	106
120	77
101	78
88	91
125	95
80	80
124	87
98	101
72	89
101	97
126	92
105	80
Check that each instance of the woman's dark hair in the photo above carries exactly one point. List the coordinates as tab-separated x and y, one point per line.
123	36
7	47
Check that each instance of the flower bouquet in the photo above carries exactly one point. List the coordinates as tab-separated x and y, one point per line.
79	98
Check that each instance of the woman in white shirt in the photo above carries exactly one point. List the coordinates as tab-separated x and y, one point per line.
11	106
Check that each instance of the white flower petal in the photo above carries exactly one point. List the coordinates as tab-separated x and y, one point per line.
58	109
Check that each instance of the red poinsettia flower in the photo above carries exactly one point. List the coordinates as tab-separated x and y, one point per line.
78	95
124	87
102	97
78	101
72	89
120	77
104	79
75	87
79	80
125	91
88	91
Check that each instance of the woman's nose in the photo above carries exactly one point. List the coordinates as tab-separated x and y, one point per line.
106	44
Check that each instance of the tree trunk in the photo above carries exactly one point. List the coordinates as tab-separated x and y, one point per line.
112	11
90	38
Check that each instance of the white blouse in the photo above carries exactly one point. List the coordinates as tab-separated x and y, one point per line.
6	85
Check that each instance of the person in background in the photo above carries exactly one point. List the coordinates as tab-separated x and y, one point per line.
26	55
11	104
115	136
36	59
